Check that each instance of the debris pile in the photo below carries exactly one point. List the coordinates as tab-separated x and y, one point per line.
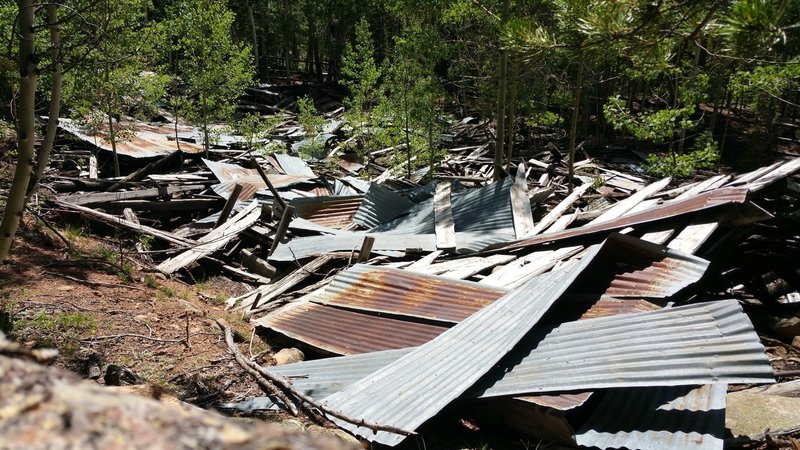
609	315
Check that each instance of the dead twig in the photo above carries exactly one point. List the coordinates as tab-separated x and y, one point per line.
264	374
51	228
132	335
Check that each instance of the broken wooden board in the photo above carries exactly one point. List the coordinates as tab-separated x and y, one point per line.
520	204
214	240
443	216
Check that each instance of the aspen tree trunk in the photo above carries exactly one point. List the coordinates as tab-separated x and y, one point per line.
43	156
26	129
206	143
576	106
257	60
512	113
501	100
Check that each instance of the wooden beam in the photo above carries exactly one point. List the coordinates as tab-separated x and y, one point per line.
226	210
443	217
153	167
520	204
366	249
283	225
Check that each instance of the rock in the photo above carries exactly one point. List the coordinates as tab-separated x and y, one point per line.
341	434
44	407
190	308
146	318
750	414
796	342
65	288
288	356
788	327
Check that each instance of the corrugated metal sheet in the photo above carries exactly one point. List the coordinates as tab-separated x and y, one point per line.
414	388
656	418
148	141
329	211
293	165
485	209
230	174
388	244
636	268
380	205
687	345
694	344
400	292
315	324
669	210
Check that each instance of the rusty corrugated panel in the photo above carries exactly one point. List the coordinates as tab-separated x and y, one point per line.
669	210
332	211
147	141
659	272
655	418
640	269
347	332
231	174
411	390
687	345
400	292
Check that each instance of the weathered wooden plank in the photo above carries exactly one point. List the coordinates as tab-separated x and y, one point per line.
215	239
623	207
107	197
693	236
229	204
153	167
119	221
520	204
443	217
366	249
559	210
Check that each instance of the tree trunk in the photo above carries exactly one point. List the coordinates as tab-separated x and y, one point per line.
206	143
501	99
43	156
576	106
112	136
26	129
512	113
256	59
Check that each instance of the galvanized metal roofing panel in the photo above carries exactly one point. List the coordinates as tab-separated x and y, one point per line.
694	344
293	165
483	209
380	205
385	244
329	211
655	418
687	345
672	209
404	293
414	388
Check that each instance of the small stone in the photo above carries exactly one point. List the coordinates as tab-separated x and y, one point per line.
146	318
796	342
788	327
288	356
65	288
190	307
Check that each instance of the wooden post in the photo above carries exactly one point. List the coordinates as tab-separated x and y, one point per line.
269	184
283	225
226	210
366	249
257	264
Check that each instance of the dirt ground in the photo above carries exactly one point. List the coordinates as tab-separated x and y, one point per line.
100	308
